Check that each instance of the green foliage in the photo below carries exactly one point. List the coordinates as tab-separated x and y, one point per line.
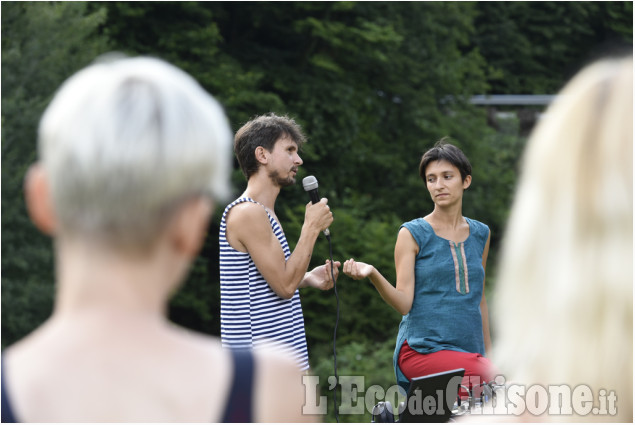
370	360
374	85
534	47
363	314
32	69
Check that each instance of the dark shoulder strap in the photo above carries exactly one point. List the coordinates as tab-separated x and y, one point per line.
7	412
239	403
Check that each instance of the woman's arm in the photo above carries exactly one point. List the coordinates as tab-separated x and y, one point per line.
484	310
399	297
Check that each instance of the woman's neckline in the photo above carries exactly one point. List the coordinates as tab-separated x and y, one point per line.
449	240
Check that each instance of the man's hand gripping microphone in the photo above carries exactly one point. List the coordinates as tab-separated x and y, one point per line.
310	184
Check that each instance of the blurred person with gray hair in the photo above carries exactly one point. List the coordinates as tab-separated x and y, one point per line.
563	311
132	152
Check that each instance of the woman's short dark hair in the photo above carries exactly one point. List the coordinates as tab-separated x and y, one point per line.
443	150
263	130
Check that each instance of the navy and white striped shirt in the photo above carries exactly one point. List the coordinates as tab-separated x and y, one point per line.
252	314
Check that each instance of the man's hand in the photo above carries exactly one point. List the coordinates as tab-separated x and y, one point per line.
318	217
320	277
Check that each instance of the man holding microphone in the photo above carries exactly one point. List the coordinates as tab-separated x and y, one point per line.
260	277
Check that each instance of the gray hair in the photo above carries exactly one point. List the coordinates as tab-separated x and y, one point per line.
124	141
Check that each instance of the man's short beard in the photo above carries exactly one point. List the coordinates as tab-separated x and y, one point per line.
279	181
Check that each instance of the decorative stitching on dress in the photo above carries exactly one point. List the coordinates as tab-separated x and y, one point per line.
465	277
460	267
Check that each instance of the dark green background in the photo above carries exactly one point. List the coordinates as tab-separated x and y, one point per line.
373	84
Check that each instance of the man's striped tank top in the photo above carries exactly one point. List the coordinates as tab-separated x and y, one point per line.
252	314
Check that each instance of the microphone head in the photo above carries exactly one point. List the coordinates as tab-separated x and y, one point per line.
309	183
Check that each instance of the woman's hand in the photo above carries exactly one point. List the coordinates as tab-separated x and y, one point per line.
357	270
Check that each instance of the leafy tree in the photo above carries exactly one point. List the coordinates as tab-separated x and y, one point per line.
369	362
374	84
42	44
550	41
355	75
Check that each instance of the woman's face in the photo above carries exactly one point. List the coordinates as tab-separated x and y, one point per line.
444	182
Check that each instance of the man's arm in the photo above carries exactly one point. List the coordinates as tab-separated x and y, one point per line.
249	230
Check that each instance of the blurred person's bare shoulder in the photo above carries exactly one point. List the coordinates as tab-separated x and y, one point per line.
278	389
281	393
61	373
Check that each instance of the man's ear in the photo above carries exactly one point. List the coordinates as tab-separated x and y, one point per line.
189	226
467	182
39	204
261	155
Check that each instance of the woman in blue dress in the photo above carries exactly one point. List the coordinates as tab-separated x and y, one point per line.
440	264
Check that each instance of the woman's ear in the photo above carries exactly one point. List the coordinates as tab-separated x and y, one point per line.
467	182
189	226
38	199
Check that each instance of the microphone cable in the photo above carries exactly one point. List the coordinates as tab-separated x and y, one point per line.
337	320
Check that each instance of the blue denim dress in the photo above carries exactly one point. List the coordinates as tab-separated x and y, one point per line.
445	313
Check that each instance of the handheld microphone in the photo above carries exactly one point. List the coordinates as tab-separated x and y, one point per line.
310	184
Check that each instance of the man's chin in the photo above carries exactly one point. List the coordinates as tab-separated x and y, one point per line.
288	182
275	178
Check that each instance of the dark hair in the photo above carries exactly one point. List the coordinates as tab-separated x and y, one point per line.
263	130
443	150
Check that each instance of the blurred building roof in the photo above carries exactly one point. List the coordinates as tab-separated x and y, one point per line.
512	99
